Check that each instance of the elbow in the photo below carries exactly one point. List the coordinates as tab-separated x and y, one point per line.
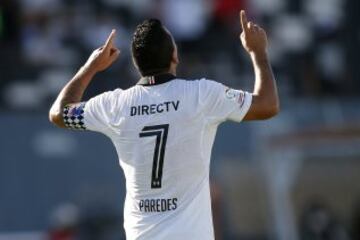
52	117
274	110
270	111
263	108
55	117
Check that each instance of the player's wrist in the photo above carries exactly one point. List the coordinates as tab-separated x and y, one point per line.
90	68
259	54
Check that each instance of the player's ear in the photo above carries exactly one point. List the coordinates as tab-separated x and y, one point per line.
175	57
135	64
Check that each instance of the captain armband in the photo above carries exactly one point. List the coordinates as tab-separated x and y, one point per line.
73	115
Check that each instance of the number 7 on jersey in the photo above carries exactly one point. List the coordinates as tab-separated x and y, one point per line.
160	132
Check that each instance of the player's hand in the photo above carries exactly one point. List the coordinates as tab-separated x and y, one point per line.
103	57
253	37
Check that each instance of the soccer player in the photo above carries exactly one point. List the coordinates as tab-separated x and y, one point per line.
163	128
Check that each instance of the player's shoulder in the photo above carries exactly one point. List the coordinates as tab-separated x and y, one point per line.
199	82
206	86
114	92
111	95
106	96
202	87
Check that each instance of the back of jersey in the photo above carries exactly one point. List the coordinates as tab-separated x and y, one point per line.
163	135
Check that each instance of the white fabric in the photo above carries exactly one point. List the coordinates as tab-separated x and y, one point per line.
181	208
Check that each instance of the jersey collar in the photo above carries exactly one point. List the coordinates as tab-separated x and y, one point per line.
156	79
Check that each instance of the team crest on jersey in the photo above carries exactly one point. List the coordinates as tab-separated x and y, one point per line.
231	93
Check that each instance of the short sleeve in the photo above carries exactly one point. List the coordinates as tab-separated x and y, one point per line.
95	114
99	111
222	103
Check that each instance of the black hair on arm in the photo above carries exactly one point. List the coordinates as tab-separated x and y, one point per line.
152	48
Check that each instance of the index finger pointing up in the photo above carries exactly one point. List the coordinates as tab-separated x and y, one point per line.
243	20
110	40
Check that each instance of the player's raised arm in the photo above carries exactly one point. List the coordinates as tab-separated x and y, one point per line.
265	102
71	95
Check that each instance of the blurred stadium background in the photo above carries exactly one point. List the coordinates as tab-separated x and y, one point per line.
296	177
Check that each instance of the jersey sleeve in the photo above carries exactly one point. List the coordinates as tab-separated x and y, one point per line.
93	115
222	103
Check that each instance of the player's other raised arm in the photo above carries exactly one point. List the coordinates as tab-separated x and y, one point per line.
265	100
68	100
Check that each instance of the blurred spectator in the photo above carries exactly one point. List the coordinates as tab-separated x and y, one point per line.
9	22
186	19
10	27
318	223
308	48
101	223
267	7
226	10
356	222
327	15
42	41
64	223
36	7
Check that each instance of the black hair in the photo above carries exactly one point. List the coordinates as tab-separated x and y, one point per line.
152	48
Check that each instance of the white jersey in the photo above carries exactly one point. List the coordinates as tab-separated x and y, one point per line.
163	135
